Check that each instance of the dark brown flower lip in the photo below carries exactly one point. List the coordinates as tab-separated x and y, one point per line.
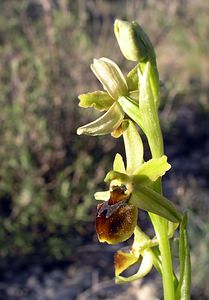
119	225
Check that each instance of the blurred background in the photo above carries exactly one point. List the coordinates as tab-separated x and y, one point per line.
48	174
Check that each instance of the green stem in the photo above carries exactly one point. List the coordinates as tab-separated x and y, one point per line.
161	228
160	224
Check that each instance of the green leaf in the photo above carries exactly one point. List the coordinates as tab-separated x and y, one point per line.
183	289
151	170
105	124
99	100
149	200
131	109
118	164
133	147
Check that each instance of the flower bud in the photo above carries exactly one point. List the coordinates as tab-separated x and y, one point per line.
110	76
116	219
133	41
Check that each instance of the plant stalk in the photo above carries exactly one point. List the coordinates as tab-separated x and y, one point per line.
160	224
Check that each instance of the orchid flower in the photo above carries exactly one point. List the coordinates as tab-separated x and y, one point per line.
129	191
115	85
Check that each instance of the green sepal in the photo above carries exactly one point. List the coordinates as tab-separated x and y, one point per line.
99	100
142	241
151	201
150	171
118	164
133	148
111	77
114	175
105	124
131	109
183	289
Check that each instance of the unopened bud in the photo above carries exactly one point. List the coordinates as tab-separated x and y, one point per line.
133	41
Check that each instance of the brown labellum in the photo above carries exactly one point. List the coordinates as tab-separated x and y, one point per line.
116	219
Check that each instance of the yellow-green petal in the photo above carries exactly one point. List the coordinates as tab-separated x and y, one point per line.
99	100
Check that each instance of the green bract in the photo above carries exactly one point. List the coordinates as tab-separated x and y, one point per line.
151	201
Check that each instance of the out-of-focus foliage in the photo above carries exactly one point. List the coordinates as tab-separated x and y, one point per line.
47	179
46	174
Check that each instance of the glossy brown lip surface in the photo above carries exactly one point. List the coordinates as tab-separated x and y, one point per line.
116	219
